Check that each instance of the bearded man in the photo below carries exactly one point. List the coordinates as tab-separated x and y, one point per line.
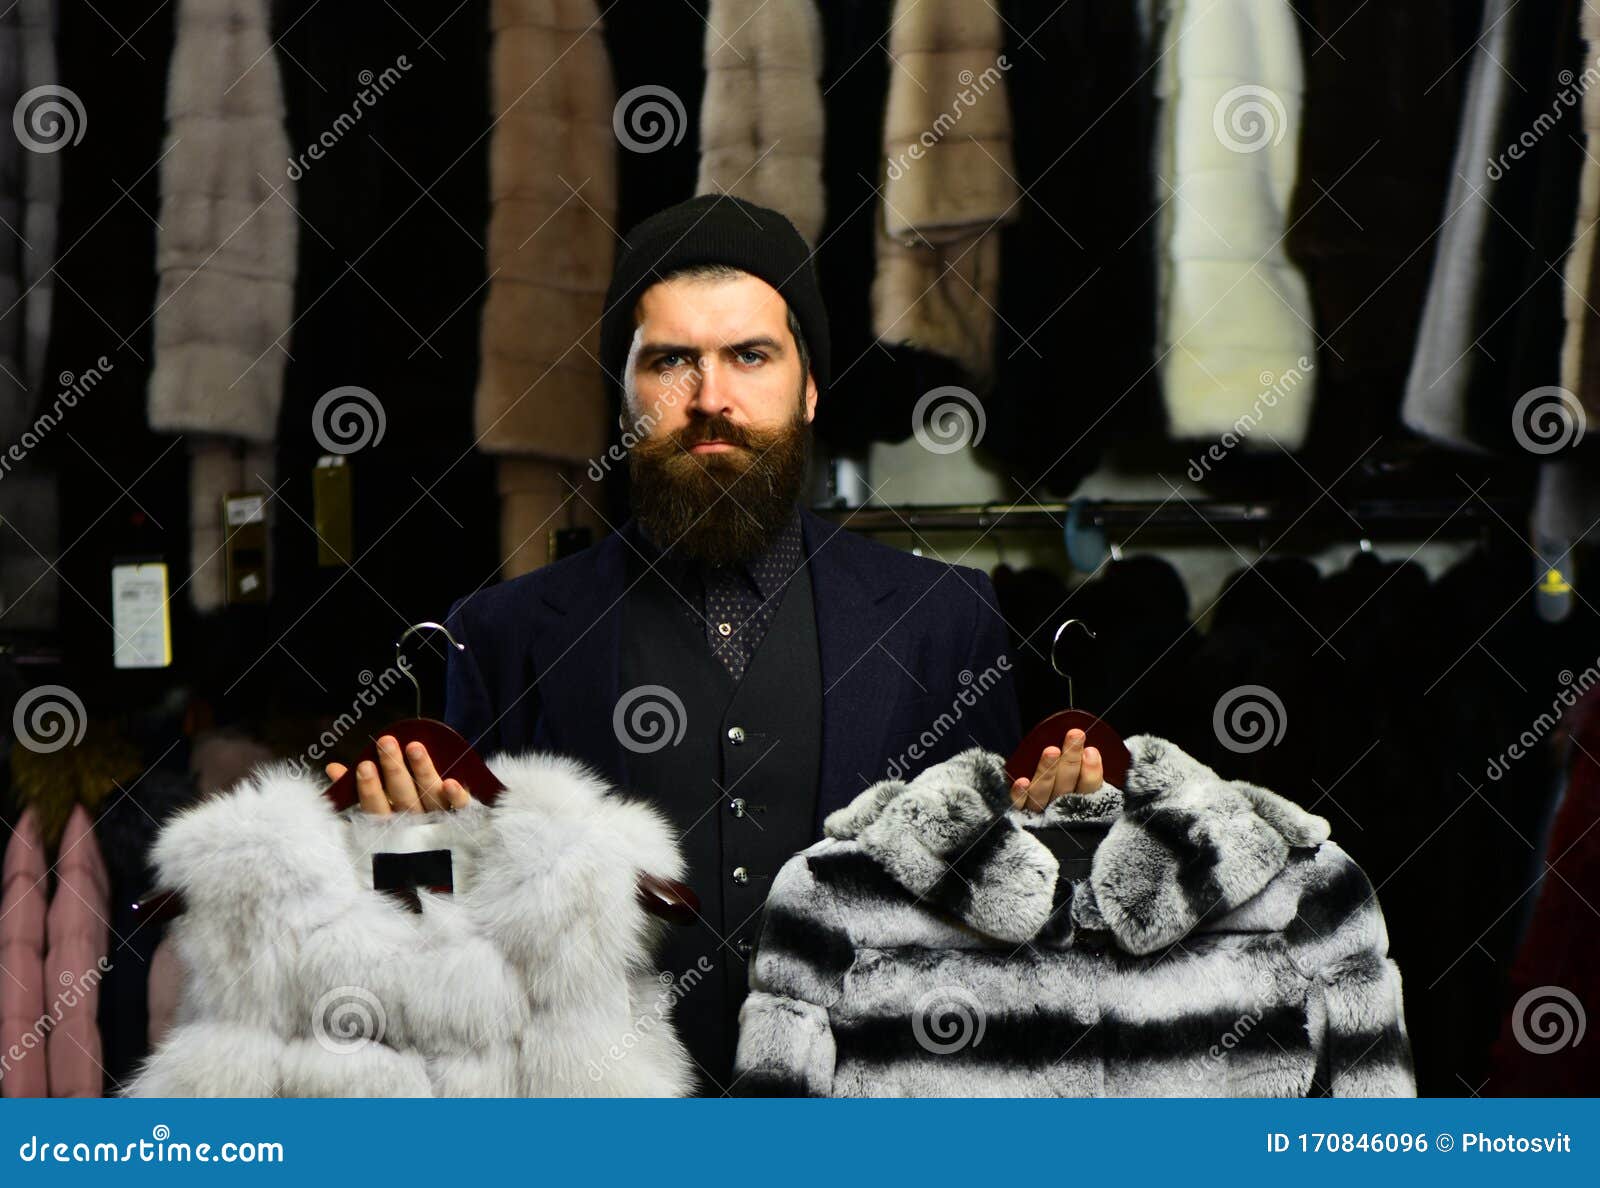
726	654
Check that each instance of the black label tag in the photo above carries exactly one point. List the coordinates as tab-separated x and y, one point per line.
420	868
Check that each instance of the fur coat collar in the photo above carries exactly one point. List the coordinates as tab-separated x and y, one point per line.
534	977
1184	845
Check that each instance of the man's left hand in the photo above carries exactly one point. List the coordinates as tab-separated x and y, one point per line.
1064	770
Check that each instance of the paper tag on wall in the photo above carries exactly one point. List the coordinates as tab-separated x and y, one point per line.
140	619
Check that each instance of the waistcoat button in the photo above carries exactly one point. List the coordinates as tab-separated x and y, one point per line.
736	735
736	806
724	628
744	948
741	875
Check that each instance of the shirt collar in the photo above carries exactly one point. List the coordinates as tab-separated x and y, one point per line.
768	579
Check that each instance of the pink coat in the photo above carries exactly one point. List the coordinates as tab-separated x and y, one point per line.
23	884
73	963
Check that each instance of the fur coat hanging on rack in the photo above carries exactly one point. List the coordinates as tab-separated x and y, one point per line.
225	259
948	183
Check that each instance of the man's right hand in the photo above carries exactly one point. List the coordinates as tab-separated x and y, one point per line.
408	784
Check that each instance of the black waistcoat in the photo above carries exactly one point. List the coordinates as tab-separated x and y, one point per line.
740	785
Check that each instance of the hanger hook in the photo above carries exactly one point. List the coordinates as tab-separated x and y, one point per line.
406	668
1071	701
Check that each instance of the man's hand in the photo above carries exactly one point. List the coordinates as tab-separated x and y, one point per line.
413	789
1067	769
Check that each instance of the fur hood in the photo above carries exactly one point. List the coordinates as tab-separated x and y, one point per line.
532	978
1184	845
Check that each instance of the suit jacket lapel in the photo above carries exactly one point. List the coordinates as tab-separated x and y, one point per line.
849	596
578	655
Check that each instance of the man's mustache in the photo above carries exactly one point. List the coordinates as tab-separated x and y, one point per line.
716	428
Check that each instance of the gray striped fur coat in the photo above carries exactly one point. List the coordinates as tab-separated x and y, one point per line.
933	944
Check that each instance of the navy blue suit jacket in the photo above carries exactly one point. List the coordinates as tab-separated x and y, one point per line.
915	660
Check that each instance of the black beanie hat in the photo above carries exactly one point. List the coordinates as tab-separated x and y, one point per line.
714	229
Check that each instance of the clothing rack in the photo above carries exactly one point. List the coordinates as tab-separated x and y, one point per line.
1393	517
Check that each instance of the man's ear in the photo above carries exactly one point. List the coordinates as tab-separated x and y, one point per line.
811	396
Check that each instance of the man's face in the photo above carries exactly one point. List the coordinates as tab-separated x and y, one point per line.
722	410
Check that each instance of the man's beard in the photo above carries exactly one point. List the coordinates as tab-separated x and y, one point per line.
724	506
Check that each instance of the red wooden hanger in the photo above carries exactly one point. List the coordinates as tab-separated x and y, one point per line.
1114	753
454	758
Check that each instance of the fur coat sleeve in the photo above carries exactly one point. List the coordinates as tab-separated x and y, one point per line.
933	944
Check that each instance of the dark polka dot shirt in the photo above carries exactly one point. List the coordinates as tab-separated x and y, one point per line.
733	605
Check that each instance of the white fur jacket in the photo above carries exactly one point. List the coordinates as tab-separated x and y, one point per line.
533	978
1216	944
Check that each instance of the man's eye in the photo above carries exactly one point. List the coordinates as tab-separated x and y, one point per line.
666	362
751	358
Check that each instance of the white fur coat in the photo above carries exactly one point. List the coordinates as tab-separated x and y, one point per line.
1235	314
533	978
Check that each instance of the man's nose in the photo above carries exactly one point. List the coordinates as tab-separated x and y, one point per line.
713	394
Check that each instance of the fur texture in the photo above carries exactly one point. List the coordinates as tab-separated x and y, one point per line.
225	254
553	194
1220	945
533	979
948	182
761	121
1233	308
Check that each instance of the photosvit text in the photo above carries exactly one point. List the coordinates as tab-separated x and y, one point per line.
1390	1142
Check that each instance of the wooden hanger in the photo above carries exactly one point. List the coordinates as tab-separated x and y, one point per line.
1114	753
454	758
